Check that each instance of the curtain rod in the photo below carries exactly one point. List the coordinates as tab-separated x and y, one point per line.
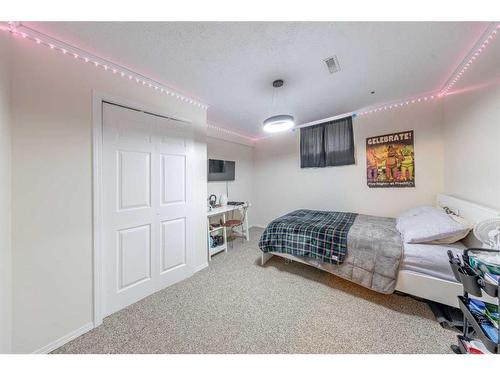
353	114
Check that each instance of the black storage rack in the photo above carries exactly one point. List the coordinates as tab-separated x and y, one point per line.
473	283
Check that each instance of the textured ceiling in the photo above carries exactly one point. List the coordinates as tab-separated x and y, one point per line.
230	66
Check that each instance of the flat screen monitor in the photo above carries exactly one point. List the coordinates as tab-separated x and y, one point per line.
221	170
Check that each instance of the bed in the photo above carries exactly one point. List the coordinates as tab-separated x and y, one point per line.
429	259
420	270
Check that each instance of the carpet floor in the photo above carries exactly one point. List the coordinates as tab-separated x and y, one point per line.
237	306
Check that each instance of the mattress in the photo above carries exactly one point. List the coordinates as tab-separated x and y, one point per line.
430	260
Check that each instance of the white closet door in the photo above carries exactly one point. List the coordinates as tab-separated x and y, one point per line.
174	201
145	205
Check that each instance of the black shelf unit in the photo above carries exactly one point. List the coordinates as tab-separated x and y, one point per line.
473	283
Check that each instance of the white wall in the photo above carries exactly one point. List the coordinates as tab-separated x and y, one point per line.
241	189
5	199
52	187
472	152
280	185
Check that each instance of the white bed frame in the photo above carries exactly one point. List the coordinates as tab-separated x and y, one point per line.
433	288
429	287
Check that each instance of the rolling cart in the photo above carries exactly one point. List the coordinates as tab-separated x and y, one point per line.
474	284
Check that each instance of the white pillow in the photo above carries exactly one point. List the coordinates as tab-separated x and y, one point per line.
426	224
459	236
414	211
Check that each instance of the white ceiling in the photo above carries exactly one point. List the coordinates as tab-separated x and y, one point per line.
230	66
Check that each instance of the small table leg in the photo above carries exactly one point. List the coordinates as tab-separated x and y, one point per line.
208	240
224	230
247	235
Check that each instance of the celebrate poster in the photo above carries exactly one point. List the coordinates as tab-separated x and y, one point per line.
390	160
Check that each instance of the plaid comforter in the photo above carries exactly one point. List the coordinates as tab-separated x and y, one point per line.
314	234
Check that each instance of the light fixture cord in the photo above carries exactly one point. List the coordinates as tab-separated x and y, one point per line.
274	96
273	100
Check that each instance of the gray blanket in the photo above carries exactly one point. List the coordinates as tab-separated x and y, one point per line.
374	250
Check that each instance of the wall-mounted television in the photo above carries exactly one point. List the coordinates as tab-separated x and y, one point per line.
220	170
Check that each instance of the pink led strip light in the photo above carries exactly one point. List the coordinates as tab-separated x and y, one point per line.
460	71
78	54
231	132
398	105
472	57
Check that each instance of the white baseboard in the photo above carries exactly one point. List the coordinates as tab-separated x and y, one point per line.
65	339
200	267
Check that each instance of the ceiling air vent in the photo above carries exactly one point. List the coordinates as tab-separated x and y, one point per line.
333	64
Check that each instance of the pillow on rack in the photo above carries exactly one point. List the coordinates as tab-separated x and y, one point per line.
430	224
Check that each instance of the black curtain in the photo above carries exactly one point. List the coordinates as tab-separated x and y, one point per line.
327	144
312	146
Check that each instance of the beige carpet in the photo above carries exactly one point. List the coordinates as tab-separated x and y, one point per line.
237	306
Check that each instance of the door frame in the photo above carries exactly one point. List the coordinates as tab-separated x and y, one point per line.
98	98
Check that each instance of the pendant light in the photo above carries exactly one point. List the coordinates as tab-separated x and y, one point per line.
278	123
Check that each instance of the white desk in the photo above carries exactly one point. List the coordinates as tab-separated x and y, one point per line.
223	210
